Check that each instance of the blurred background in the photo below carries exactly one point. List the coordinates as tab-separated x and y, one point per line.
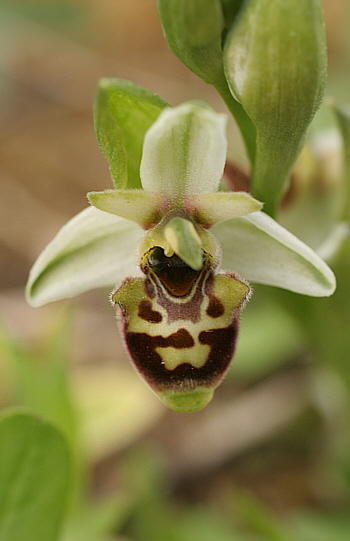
269	458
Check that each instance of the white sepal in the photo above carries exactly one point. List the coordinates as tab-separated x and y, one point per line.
258	248
94	249
184	152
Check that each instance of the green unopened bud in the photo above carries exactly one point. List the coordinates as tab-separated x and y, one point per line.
193	30
275	63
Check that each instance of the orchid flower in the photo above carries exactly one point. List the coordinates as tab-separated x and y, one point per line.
165	241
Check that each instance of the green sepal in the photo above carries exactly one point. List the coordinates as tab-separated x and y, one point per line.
94	249
139	206
258	248
123	112
184	152
275	63
184	240
208	209
110	138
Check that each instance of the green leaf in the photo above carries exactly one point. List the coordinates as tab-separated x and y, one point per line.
260	250
34	473
275	63
144	208
94	249
184	152
123	112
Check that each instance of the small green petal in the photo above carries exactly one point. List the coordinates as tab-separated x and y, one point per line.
184	240
144	208
184	152
208	209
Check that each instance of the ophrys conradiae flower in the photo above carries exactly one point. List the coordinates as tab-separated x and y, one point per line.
179	312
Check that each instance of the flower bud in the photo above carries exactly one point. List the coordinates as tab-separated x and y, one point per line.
275	64
193	30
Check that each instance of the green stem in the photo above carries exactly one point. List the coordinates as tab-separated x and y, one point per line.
244	123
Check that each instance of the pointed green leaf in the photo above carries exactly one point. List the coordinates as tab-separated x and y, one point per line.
208	209
275	63
260	250
123	112
184	240
94	249
184	152
34	471
144	208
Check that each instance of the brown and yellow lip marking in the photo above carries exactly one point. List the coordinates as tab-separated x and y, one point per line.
180	327
147	313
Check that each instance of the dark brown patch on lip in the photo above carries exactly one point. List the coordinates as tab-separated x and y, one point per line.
145	312
178	281
222	342
177	277
215	307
